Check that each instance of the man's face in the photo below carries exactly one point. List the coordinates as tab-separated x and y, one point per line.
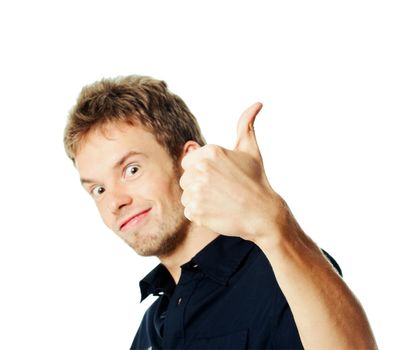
135	186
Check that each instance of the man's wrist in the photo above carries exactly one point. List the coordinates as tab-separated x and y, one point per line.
278	230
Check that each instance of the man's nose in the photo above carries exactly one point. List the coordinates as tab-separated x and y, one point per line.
119	199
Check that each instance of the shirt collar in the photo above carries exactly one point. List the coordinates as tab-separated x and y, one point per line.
221	257
218	260
158	281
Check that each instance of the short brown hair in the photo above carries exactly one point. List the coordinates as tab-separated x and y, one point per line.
132	99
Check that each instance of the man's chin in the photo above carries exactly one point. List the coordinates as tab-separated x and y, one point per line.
158	250
161	245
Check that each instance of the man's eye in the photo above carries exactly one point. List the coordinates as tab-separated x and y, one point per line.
97	191
131	170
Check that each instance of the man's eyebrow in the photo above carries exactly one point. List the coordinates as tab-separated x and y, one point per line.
116	165
123	159
85	181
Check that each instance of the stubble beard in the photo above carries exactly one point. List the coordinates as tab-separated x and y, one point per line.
168	236
170	233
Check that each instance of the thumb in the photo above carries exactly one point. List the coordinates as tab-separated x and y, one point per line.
246	139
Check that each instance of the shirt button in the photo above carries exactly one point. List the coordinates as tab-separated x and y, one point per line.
179	301
194	266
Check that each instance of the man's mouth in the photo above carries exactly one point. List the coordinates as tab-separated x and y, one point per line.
134	220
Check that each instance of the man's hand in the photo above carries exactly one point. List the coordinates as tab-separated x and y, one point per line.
227	191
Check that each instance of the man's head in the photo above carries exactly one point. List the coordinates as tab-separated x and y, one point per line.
127	137
133	100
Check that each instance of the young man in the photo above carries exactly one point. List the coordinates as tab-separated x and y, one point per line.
236	271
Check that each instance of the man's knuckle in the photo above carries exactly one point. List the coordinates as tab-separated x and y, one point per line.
182	182
183	199
214	151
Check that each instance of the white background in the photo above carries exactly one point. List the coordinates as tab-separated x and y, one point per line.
332	78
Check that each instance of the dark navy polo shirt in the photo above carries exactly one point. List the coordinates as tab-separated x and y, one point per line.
227	297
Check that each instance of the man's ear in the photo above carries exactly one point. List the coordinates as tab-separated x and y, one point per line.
188	147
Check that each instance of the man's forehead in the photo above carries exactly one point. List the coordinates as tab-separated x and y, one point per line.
110	145
113	136
106	148
117	130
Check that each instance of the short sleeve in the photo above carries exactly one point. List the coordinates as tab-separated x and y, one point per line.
333	262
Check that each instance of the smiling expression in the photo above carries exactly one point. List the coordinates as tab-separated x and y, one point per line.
135	186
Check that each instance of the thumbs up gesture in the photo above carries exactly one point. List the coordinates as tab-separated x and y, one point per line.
227	191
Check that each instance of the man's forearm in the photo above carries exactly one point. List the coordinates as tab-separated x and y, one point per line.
326	312
227	191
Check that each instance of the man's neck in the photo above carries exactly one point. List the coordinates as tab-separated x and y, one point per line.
196	239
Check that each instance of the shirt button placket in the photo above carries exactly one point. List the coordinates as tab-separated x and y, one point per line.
175	322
